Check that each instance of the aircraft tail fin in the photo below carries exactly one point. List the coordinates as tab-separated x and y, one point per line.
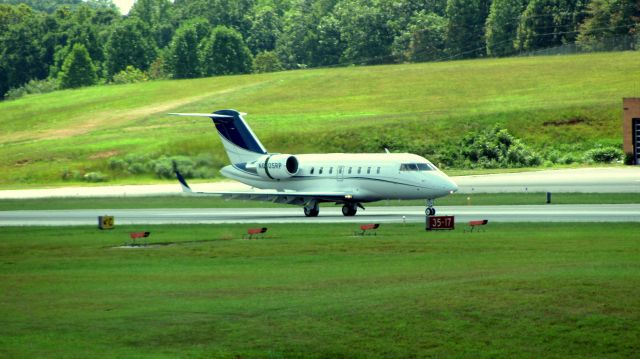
240	143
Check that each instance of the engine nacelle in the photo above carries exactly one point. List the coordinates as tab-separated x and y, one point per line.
277	166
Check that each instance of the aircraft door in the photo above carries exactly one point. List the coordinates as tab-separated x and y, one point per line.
340	173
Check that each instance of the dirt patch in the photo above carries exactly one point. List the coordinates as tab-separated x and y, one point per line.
565	122
104	119
105	154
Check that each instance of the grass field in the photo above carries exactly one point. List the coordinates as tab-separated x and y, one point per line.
564	103
515	290
480	199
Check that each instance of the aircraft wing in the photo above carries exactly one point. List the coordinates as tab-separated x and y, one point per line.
286	197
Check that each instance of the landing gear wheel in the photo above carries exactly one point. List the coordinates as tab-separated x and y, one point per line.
430	211
311	212
349	210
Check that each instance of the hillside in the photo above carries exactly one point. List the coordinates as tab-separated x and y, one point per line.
564	104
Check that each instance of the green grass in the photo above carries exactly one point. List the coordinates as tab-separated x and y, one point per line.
566	103
481	199
515	290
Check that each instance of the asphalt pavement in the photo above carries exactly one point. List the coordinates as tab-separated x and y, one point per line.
328	214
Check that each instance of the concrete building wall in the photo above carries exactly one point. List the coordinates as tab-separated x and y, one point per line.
631	111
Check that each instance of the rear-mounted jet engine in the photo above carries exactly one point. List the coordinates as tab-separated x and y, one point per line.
277	167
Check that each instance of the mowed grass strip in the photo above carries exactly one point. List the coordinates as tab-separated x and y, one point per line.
459	199
562	103
514	290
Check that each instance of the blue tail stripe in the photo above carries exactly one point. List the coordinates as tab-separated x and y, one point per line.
236	131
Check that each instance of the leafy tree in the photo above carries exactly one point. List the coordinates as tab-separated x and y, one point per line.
295	43
424	39
547	23
225	53
365	32
329	45
465	32
502	26
65	28
78	69
130	43
233	14
265	29
183	54
157	14
49	6
21	48
267	61
608	22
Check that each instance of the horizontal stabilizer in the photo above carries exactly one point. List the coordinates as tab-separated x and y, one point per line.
209	115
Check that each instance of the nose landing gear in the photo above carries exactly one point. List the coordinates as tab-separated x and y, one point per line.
430	211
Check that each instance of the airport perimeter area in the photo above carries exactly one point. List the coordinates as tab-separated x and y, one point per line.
511	290
535	288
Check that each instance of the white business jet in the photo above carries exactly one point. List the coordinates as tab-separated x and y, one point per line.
349	179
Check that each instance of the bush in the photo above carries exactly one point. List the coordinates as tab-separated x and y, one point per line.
129	75
200	166
493	148
32	87
628	159
604	155
70	175
95	177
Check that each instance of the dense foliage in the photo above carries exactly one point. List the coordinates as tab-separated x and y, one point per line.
177	39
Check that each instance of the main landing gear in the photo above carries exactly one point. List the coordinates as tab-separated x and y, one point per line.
349	209
430	211
312	209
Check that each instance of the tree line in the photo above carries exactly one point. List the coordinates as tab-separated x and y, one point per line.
50	44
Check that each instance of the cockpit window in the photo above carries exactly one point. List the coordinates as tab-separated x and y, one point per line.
417	167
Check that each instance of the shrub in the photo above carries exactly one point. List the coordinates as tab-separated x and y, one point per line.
95	177
604	155
129	75
70	175
493	148
200	166
32	87
628	158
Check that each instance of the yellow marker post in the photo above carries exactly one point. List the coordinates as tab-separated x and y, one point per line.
106	222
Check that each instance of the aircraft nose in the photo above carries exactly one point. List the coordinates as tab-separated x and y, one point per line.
452	186
447	185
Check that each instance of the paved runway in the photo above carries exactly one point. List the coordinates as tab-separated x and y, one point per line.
593	180
328	214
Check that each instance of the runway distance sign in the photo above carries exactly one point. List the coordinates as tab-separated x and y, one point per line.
440	223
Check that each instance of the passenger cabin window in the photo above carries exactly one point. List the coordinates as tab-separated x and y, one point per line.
378	171
330	170
311	172
359	170
339	170
417	167
320	171
369	170
350	168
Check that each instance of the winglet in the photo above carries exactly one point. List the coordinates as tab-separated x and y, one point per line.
183	182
